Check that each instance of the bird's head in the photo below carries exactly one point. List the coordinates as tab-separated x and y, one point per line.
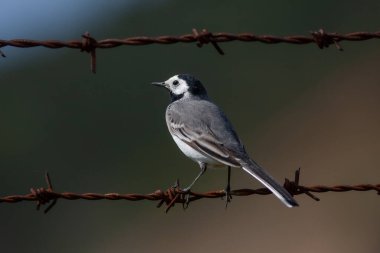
183	86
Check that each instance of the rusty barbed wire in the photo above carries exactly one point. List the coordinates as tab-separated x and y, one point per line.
88	44
175	195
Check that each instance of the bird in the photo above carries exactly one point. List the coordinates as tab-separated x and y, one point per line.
204	134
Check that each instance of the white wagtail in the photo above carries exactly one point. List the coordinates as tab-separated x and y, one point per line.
203	133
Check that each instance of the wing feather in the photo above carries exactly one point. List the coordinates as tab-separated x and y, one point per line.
204	142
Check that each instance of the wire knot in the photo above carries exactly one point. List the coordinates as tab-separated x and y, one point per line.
89	45
44	196
294	188
291	187
324	40
205	37
174	195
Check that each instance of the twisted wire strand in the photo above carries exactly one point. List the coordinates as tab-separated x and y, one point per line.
176	195
159	194
88	44
191	38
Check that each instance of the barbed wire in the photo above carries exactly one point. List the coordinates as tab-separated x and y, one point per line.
175	195
88	44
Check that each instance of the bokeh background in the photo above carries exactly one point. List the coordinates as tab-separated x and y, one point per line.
293	106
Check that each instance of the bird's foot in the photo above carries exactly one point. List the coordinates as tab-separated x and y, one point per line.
227	195
185	192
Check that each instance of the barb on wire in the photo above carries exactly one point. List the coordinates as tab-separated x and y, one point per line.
205	37
175	195
324	40
88	44
44	196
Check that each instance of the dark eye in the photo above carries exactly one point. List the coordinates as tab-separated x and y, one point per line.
175	82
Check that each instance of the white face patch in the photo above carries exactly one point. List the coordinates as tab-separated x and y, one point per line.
177	85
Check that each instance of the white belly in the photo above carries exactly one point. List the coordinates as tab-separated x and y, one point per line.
193	154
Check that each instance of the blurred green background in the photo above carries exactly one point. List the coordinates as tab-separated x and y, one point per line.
293	106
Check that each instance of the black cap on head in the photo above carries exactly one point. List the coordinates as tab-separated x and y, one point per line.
195	86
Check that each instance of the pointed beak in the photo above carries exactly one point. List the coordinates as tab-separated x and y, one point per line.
159	84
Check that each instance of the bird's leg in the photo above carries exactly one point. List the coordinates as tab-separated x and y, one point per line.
203	170
227	190
187	189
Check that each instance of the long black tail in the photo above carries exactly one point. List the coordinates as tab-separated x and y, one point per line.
260	174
